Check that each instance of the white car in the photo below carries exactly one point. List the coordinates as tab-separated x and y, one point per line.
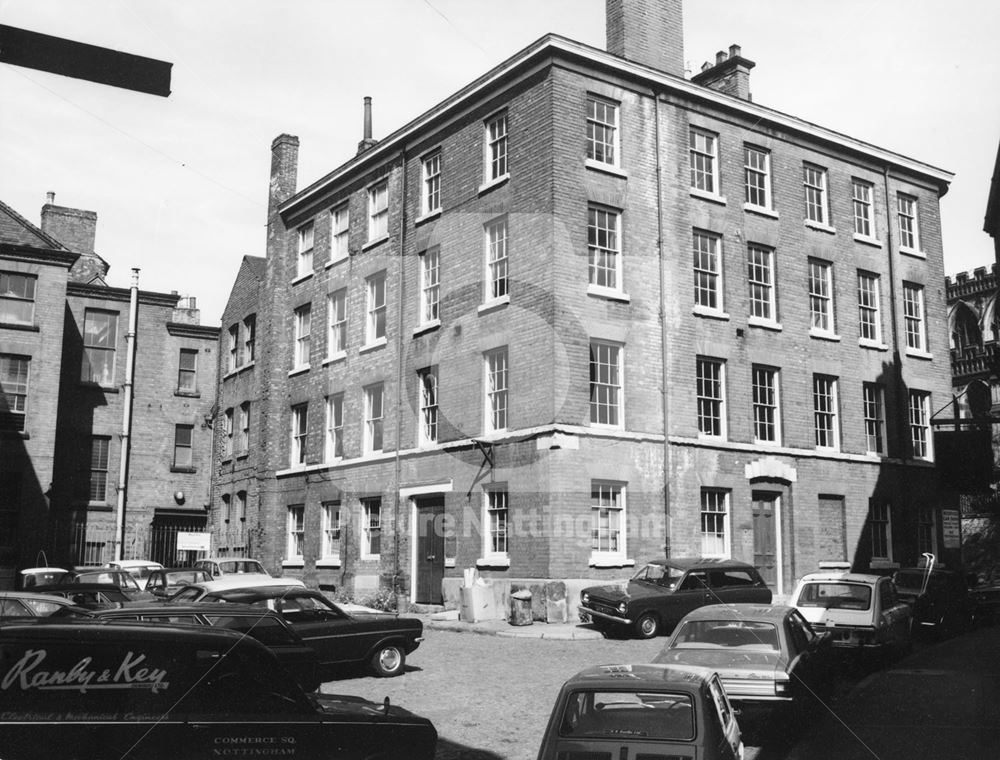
137	568
222	567
196	591
862	612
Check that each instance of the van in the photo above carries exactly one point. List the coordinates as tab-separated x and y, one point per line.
88	691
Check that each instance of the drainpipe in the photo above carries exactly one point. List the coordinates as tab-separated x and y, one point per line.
401	301
664	344
126	442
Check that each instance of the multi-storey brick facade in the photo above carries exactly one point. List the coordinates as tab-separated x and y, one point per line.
63	348
535	274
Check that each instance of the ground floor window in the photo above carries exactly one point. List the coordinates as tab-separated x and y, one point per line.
714	523
371	528
331	531
496	523
607	515
880	521
296	532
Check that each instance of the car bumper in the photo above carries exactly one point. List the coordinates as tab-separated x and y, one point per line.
845	637
588	615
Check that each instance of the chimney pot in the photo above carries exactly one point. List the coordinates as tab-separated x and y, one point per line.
720	57
368	118
50	197
706	66
734	51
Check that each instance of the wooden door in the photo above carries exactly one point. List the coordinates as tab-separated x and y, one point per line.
764	533
430	549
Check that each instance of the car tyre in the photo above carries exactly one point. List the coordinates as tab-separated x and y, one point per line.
648	625
388	660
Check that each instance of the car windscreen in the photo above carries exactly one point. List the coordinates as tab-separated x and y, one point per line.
182	577
658	574
835	595
745	635
241	566
620	714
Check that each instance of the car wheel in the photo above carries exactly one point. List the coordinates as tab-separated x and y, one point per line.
388	661
647	626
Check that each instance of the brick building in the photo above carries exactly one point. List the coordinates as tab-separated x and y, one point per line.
63	356
586	311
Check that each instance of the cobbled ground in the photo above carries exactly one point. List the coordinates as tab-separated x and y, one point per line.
489	696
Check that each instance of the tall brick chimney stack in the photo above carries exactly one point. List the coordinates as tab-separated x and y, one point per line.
74	228
367	140
730	73
284	171
650	32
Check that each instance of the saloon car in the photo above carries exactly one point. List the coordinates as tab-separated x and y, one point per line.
767	656
264	625
94	595
941	601
379	640
195	592
114	576
665	590
92	691
27	604
167	581
30	577
220	567
642	711
137	568
862	612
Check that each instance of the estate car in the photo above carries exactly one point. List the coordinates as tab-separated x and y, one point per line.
665	590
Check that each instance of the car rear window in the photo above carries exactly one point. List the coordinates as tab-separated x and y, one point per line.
619	714
741	634
836	596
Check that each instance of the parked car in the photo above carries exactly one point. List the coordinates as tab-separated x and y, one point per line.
767	656
862	612
642	711
39	576
219	567
339	637
941	602
137	568
195	592
264	625
987	599
665	590
90	595
26	604
120	578
93	691
167	581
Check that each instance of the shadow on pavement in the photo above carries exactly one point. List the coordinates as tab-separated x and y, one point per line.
447	750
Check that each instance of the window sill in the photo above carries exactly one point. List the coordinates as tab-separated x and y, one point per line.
766	324
603	560
874	345
226	459
912	252
188	394
333	358
493	560
600	166
20	326
98	387
376	242
760	210
299	370
605	426
820	227
427	217
707	196
918	354
242	455
188	470
334	262
427	327
328	562
610	293
301	278
295	562
492	183
370	557
705	311
710	438
374	345
823	335
496	303
768	444
98	506
858	238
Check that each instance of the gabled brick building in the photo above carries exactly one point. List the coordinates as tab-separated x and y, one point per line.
63	349
586	311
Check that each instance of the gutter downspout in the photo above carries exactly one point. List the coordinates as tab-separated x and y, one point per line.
125	437
397	507
664	343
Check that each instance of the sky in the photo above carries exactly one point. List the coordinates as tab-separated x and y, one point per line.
179	184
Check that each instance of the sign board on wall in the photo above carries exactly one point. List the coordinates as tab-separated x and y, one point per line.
195	542
951	528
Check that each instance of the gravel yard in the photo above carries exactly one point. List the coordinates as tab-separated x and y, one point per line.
488	696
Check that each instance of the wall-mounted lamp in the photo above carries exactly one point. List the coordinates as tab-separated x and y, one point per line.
179	497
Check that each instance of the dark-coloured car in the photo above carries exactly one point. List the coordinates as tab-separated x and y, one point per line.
941	602
987	598
28	604
642	711
167	581
381	640
115	576
91	595
264	625
92	691
665	590
766	656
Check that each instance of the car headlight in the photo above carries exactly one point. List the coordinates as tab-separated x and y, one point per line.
585	597
622	608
